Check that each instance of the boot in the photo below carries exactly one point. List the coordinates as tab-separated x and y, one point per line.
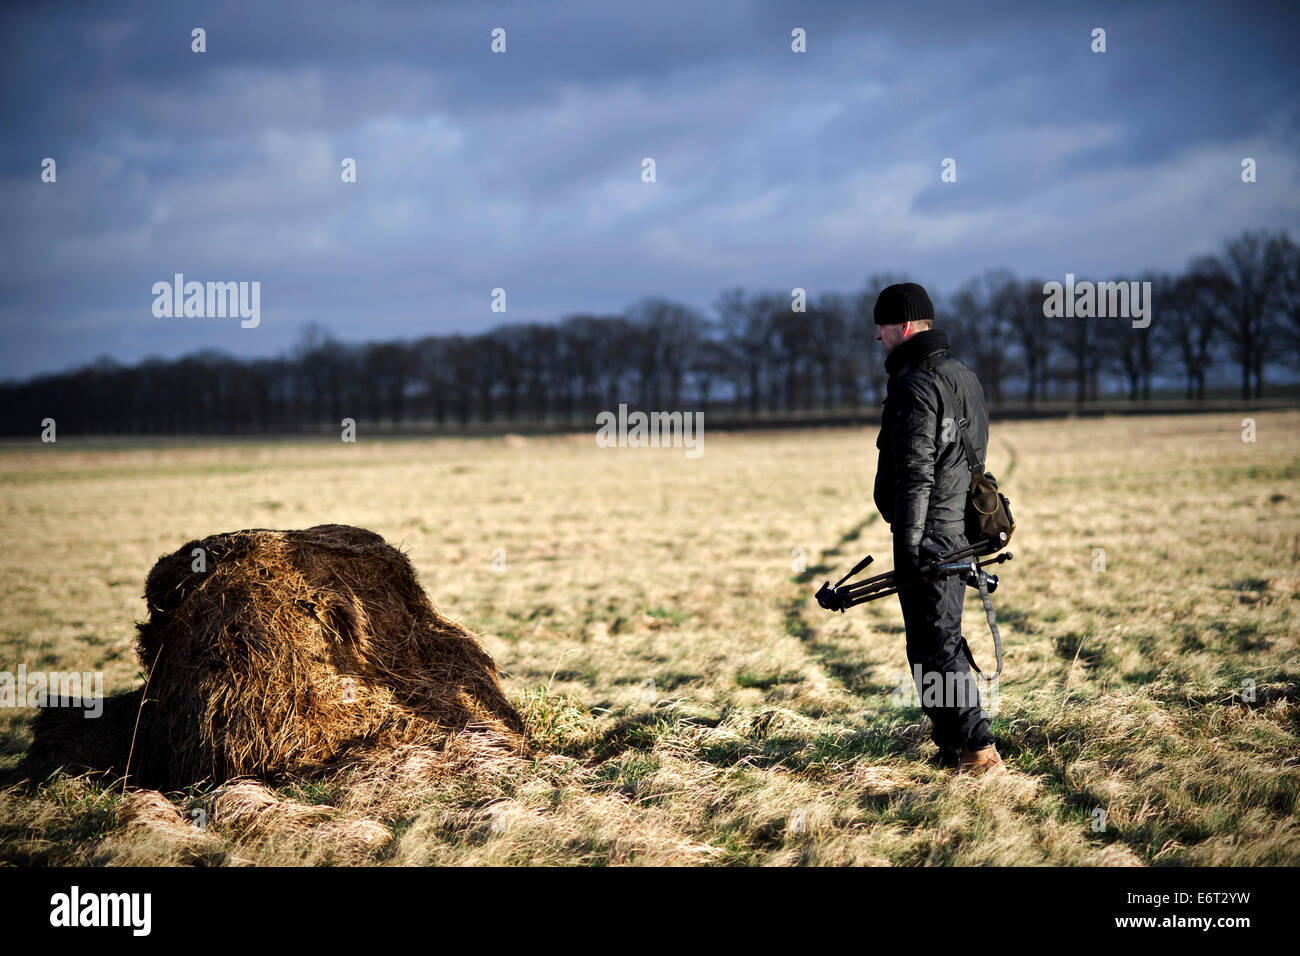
979	761
947	757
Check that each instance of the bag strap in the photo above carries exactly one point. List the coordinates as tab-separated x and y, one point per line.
976	466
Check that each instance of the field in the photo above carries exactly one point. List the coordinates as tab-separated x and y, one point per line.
689	702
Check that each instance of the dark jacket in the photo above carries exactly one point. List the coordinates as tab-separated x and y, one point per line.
922	476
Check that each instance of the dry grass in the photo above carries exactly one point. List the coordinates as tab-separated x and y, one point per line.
687	700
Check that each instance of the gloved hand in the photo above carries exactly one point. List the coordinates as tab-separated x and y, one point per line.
907	557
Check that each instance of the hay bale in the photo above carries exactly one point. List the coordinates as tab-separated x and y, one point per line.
290	651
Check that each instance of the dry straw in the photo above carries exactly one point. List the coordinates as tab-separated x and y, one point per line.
291	651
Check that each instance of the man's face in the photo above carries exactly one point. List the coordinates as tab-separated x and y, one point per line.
893	335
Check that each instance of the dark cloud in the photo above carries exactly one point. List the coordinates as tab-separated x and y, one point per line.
523	170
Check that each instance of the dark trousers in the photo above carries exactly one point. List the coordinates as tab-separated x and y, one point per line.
947	689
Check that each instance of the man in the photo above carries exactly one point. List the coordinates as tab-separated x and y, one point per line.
922	480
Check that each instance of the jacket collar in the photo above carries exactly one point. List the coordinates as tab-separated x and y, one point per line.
914	349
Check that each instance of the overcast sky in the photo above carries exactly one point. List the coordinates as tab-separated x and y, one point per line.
522	170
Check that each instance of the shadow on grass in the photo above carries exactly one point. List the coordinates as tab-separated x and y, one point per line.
1075	646
823	567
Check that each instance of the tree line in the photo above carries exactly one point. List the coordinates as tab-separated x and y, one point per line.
1234	314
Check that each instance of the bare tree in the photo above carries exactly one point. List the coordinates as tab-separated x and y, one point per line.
985	329
1287	254
829	344
1082	340
708	365
748	333
1021	303
1133	350
1250	277
1188	323
672	332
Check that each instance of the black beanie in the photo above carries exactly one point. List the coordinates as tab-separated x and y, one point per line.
905	302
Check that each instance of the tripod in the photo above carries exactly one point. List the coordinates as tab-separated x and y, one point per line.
964	561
